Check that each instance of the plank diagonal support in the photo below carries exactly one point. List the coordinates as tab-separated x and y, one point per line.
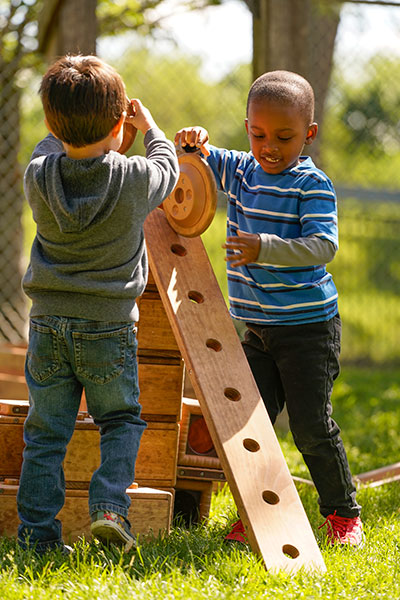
250	454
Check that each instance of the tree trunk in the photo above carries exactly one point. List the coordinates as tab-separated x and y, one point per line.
299	36
72	27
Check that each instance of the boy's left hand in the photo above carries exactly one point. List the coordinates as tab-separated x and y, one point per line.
246	247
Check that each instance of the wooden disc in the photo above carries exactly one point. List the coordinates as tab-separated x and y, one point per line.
191	206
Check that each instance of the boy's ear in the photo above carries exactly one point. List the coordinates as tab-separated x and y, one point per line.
311	133
246	124
117	128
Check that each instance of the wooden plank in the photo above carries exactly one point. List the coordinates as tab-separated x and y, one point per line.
150	512
380	476
252	460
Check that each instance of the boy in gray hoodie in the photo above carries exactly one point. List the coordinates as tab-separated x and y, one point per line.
88	265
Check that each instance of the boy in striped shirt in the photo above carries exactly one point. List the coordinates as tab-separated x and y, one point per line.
281	232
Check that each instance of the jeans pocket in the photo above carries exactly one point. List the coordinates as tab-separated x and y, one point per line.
42	357
100	356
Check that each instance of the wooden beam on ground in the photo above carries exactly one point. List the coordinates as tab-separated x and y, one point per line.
379	476
252	460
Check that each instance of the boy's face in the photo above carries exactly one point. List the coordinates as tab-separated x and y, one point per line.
277	134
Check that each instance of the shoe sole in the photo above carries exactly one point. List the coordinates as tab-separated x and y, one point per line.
109	533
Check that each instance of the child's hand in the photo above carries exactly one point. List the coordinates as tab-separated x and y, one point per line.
194	137
247	247
142	118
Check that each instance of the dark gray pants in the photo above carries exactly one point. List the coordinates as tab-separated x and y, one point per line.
297	365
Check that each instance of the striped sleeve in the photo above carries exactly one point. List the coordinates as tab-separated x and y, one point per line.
318	209
224	165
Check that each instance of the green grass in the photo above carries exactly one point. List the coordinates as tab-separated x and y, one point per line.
193	564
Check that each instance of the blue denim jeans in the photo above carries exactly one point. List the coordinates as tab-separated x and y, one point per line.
296	365
65	356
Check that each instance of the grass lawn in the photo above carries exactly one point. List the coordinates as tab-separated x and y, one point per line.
193	564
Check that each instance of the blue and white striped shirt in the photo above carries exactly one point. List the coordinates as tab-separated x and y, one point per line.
298	202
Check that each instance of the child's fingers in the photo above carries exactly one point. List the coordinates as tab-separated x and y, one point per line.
233	243
236	261
193	136
205	148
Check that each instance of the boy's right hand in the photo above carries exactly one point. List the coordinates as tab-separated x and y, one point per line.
142	118
193	137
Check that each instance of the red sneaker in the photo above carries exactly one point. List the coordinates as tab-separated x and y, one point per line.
342	530
237	533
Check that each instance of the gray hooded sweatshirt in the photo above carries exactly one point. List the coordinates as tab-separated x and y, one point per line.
88	259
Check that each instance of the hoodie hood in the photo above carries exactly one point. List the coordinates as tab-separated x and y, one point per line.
66	186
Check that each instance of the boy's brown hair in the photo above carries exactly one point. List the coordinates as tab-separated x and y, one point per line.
284	87
83	99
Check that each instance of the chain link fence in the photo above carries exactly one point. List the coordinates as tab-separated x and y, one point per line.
359	149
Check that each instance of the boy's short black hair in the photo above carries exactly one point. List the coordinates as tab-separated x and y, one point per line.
284	87
83	98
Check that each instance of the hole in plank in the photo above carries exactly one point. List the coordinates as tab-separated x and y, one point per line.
232	394
196	297
178	249
251	445
290	551
179	195
270	497
214	345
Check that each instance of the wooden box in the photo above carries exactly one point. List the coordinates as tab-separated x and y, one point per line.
192	500
196	447
155	336
13	386
160	382
155	465
161	385
12	359
150	512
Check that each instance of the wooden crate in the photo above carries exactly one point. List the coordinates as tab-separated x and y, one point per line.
161	385
150	512
155	465
13	386
155	336
12	359
196	447
192	500
160	382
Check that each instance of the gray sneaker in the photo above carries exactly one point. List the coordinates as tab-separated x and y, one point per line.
108	527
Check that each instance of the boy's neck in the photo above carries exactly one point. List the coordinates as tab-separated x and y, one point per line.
91	151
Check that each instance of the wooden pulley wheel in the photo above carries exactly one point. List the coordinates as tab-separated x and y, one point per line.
129	131
191	206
